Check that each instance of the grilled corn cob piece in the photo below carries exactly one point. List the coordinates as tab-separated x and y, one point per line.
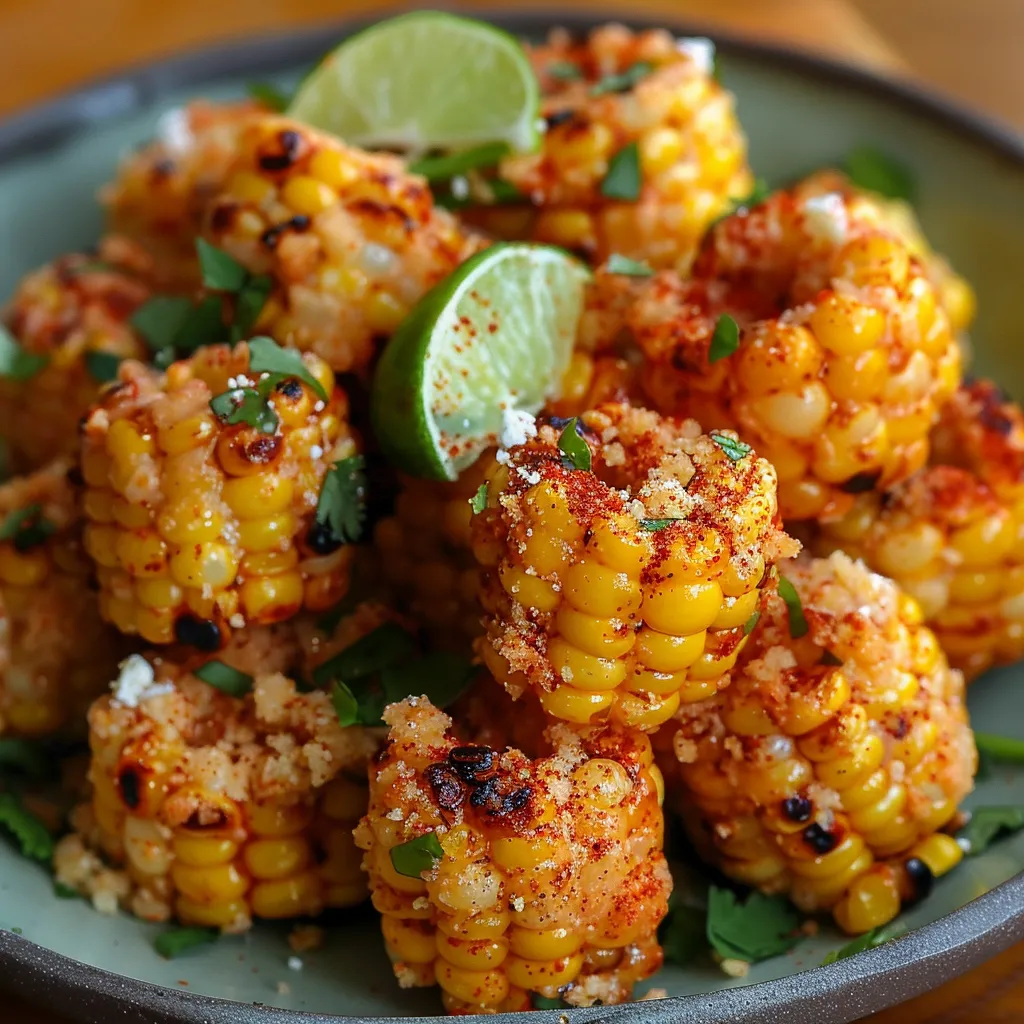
827	767
56	654
351	239
198	526
625	589
221	808
161	190
550	879
676	123
953	535
65	313
839	385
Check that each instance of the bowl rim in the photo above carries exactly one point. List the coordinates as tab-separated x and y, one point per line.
835	994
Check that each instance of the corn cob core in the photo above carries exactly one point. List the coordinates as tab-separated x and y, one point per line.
830	782
219	808
552	879
691	151
77	305
56	654
351	239
161	190
953	535
198	527
840	384
625	589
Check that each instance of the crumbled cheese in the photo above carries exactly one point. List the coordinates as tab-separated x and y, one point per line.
517	427
701	51
395	814
376	258
136	682
421	903
518	904
237	621
295	963
530	476
501	456
174	131
735	968
825	217
459	186
315	451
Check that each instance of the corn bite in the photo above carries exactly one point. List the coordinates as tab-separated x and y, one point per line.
63	316
213	808
549	875
953	535
828	767
840	383
56	654
351	239
162	189
626	588
645	95
204	493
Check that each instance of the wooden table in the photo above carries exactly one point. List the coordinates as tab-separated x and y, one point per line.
969	48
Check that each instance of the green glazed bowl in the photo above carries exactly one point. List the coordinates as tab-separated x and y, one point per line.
800	113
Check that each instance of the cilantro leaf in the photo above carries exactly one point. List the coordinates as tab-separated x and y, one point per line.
22	757
18	519
341	507
176	941
379	649
66	892
160	320
204	325
564	71
871	169
828	658
653	525
271	96
622	81
27	830
346	707
797	622
26	527
627	267
869	940
544	1003
479	500
1004	749
748	626
734	449
441	676
266	356
15	362
684	933
988	824
245	405
762	927
221	271
251	300
441	168
102	366
417	855
725	340
623	179
573	446
225	678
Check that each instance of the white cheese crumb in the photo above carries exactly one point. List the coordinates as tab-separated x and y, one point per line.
315	451
136	682
174	131
283	988
421	903
826	218
395	814
294	963
517	427
530	476
518	904
459	186
237	621
735	968
502	457
701	51
319	407
377	259
104	902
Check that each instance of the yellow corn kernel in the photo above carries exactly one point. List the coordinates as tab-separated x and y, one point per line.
535	974
616	542
158	594
871	901
481	988
664	652
101	544
485	925
606	638
681	608
141	553
276	819
549	944
571	705
598	590
874	259
210	564
249	187
98	505
95	466
307	196
288	897
256	497
940	852
574	229
409	941
660	149
845	326
606	783
23	568
333	168
472	954
272	598
203	851
268	533
189	522
125	443
134	516
529	591
184	435
276	858
736	611
209	884
229	914
269	563
585	671
384	312
645	712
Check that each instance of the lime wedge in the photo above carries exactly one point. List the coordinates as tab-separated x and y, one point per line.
424	80
492	340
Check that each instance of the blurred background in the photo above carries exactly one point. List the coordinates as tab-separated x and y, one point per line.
970	49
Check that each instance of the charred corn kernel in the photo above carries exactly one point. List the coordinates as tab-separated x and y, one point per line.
593	609
843	403
219	533
350	239
948	536
692	153
826	788
522	899
65	312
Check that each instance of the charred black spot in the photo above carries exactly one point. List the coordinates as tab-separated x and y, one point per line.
558	117
290	142
515	801
290	388
484	794
270	237
797	808
131	789
163	168
223	216
75	478
202	634
993	418
861	482
559	422
900	727
322	540
472	764
448	790
819	840
921	878
260	450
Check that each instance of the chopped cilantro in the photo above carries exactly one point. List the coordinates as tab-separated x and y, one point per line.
725	340
442	168
479	500
734	449
249	304
988	824
381	648
204	325
441	676
345	704
564	71
65	892
659	524
245	405
176	941
869	940
573	447
26	527
627	267
622	81
684	932
417	855
797	622
220	270
266	356
1004	749
748	626
623	179
25	828
828	658
102	366
762	927
22	757
225	678
161	319
15	362
871	169
341	506
544	1003
271	96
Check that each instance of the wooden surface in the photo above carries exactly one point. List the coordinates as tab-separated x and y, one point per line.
968	48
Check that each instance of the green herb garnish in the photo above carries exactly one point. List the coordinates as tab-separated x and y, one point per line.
176	941
684	933
381	648
988	824
225	678
564	71
417	855
220	270
623	180
762	927
654	525
346	707
342	503
441	676
25	828
245	405
573	447
734	449
249	304
1004	749
22	757
871	169
65	892
15	362
26	527
544	1003
102	366
627	267
161	320
271	96
479	500
266	356
442	168
725	340
748	626
797	623
622	81
828	658
869	940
